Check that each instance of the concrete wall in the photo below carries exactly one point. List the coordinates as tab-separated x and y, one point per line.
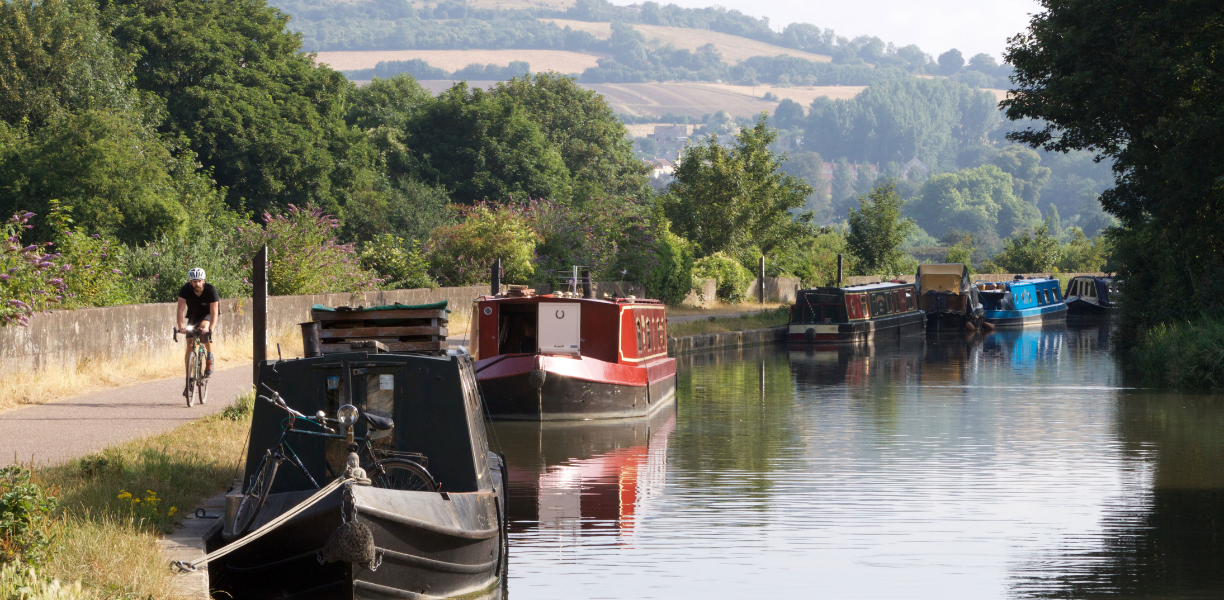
706	296
777	289
978	277
66	337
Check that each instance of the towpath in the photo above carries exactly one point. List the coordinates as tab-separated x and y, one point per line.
56	432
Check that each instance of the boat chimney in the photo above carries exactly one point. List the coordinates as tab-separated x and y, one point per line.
587	292
495	277
839	270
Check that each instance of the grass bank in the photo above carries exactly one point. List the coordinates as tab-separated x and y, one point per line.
1187	354
761	320
114	505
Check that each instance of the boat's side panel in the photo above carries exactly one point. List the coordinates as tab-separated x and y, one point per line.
1027	317
910	323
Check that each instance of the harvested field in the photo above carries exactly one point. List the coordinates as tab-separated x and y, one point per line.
1001	95
734	48
689	98
452	60
503	4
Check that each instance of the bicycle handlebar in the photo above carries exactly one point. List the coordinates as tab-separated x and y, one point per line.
276	400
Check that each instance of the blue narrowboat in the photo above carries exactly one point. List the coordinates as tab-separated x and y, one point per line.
1022	302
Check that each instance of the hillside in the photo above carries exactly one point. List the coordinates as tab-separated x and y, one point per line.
734	49
560	61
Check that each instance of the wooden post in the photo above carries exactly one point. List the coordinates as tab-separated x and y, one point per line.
259	310
495	278
761	279
839	270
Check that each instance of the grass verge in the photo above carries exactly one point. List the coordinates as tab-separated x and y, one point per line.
56	382
1188	354
116	504
761	320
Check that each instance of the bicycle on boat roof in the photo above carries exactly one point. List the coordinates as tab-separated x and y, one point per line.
197	383
388	469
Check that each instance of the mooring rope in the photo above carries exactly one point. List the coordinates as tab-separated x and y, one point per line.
190	567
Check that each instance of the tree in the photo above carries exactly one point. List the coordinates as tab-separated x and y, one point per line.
1024	165
1029	252
260	115
483	146
789	114
877	232
580	124
809	167
977	201
842	184
724	199
950	62
962	253
1138	84
389	102
462	254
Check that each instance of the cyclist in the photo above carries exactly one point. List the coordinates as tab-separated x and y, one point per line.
199	304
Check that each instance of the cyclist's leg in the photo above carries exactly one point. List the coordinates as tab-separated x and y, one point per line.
187	359
208	365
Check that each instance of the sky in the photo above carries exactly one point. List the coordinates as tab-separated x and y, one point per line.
971	26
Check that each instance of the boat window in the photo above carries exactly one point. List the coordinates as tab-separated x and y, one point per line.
649	336
1091	291
909	299
661	332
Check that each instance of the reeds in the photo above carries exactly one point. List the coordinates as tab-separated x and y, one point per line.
1187	354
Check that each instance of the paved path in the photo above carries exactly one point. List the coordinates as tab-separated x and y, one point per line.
53	433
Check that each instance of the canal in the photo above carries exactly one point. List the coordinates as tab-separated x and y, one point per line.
1019	465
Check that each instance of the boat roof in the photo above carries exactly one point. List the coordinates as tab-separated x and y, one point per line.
1029	281
866	287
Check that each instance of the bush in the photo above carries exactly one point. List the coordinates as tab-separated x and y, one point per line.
159	269
962	252
1184	354
607	234
30	281
303	255
27	514
92	265
731	277
399	269
463	254
670	279
1082	255
1037	252
811	258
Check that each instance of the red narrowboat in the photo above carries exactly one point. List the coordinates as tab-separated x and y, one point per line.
559	357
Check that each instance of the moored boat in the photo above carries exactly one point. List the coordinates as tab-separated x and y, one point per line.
948	297
562	356
855	314
406	501
1089	296
1022	302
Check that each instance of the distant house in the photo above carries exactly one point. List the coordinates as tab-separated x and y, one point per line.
668	134
634	8
915	167
661	173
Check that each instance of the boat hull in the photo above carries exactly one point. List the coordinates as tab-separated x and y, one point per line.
857	332
951	321
546	388
1080	307
1029	317
430	545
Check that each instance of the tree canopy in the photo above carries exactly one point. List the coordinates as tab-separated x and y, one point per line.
978	201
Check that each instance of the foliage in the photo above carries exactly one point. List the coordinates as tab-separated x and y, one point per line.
1028	176
400	267
951	61
809	167
608	235
977	201
962	253
147	507
19	581
241	409
27	515
731	278
463	254
303	254
1035	252
91	266
1182	354
812	258
30	281
670	279
57	60
1082	255
877	233
262	116
389	102
724	199
896	120
1137	84
582	127
483	146
159	269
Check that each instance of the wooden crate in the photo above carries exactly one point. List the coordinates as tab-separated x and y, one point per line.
400	330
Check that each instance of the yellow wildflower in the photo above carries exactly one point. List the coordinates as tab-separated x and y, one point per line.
124	495
172	511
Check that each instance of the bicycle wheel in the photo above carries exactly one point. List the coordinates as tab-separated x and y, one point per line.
201	380
255	496
189	391
405	475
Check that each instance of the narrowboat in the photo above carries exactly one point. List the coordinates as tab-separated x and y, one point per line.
422	517
949	298
855	314
1089	296
571	356
1022	302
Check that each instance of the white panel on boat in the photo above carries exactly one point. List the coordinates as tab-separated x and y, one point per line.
560	327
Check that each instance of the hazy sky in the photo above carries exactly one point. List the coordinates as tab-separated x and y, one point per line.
972	26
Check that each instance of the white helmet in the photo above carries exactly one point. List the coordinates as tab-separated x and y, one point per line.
196	273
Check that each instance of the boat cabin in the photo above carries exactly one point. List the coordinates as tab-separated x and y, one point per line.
619	330
852	313
1020	294
1088	295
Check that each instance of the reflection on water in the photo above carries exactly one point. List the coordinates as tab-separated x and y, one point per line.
1007	466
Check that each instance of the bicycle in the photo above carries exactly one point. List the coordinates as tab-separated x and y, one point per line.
388	469
197	383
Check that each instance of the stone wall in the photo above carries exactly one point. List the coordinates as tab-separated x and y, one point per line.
731	339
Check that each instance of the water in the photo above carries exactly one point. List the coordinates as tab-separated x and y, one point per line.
1021	466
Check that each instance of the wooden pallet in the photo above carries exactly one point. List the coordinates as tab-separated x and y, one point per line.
406	331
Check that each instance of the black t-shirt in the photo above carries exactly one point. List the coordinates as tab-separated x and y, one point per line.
197	306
